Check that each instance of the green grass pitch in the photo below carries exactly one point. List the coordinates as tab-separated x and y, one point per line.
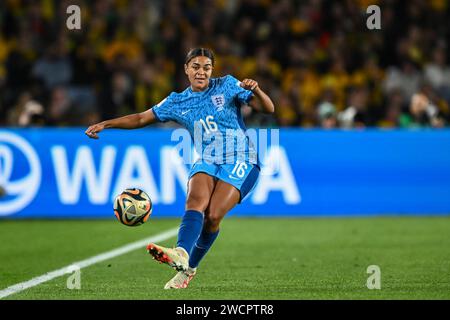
253	258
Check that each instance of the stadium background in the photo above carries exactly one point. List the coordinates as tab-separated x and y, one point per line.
363	117
315	58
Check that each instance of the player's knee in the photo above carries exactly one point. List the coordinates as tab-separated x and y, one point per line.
197	202
213	219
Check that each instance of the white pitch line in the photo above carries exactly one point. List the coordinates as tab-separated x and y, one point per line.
85	263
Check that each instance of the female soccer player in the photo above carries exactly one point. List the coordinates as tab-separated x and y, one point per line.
219	180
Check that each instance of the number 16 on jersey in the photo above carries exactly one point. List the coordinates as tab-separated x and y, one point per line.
209	125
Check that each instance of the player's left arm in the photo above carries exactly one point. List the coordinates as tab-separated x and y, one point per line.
260	100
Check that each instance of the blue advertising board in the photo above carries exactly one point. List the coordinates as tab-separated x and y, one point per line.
58	173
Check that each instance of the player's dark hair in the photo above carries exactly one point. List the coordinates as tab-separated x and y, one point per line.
200	52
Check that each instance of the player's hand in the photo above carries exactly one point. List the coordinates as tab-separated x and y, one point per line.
249	84
92	131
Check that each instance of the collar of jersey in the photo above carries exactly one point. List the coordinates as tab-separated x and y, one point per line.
199	92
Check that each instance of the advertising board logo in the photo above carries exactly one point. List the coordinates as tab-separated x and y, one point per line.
20	173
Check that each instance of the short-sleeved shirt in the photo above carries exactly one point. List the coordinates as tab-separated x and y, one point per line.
213	118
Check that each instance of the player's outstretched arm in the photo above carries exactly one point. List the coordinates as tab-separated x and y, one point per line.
261	101
132	121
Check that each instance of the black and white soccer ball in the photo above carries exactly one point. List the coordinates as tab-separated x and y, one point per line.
132	207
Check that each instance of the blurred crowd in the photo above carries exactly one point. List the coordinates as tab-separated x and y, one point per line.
317	59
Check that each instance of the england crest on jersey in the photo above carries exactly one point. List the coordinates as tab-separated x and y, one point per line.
219	101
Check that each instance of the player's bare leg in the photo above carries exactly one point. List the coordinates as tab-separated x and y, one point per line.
200	188
224	198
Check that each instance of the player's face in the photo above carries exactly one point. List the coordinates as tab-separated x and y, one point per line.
199	71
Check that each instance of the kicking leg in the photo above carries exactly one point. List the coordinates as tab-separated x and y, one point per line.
200	188
224	198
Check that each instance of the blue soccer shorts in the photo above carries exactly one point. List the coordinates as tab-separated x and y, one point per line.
242	175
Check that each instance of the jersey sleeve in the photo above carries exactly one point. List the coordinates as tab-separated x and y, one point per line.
163	111
242	95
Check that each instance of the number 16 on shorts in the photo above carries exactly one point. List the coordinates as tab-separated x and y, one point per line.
239	169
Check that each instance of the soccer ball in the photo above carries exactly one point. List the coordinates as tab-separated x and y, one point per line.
132	207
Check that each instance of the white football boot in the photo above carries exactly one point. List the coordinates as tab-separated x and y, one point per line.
177	258
181	279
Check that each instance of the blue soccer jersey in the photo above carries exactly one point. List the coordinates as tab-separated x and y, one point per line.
213	119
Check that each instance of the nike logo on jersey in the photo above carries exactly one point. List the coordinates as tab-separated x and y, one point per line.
184	112
233	177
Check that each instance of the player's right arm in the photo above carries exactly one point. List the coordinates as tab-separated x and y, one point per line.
132	121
